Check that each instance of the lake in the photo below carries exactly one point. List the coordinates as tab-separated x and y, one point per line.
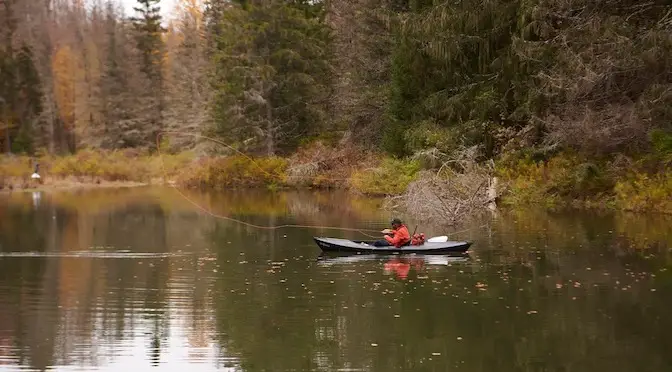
141	278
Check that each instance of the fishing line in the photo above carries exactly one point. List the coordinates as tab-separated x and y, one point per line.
210	213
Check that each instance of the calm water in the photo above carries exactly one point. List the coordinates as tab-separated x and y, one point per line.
135	279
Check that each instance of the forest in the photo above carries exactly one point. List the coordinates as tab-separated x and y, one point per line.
560	99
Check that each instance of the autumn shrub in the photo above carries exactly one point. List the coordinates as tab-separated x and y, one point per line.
105	165
563	177
234	171
643	192
120	165
14	168
169	166
391	177
325	166
661	142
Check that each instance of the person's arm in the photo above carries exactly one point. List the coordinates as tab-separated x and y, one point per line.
395	239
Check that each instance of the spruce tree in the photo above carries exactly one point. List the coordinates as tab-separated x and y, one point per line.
148	37
271	74
148	31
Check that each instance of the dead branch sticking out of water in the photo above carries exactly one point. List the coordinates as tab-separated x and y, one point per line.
459	190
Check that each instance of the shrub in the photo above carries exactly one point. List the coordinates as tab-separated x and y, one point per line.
234	171
392	177
322	166
562	177
642	192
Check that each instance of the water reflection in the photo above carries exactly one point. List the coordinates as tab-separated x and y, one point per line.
397	265
138	278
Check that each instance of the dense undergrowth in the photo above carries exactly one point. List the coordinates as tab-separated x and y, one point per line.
92	166
571	179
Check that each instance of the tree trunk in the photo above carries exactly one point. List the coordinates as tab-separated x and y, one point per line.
8	144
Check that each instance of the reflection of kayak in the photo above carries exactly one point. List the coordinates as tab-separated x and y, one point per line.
328	259
345	245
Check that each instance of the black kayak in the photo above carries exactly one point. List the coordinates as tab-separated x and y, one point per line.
345	245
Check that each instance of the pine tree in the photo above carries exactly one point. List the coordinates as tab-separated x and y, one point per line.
271	74
8	74
212	16
20	89
126	117
148	31
148	37
187	87
30	99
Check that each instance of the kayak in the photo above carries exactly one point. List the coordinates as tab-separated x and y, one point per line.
345	245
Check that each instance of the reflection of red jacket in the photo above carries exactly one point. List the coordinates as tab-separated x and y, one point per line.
399	236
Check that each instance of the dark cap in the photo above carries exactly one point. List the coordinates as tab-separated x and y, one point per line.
396	221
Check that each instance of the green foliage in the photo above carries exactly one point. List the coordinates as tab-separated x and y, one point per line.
489	69
20	98
393	139
271	74
392	177
662	144
148	28
562	178
23	143
428	135
642	192
453	66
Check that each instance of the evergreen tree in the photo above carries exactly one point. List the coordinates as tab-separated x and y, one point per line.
148	37
126	104
148	31
8	74
30	100
20	89
271	73
187	88
212	17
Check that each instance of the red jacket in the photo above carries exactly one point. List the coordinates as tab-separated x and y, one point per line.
399	237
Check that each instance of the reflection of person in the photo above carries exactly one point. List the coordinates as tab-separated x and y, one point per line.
396	237
401	266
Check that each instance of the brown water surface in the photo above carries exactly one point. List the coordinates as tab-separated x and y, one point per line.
135	279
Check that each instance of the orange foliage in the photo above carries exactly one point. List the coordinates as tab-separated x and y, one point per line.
64	67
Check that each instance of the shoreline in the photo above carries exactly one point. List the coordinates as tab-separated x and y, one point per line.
70	184
560	183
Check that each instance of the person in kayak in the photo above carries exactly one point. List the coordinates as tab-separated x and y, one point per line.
396	237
